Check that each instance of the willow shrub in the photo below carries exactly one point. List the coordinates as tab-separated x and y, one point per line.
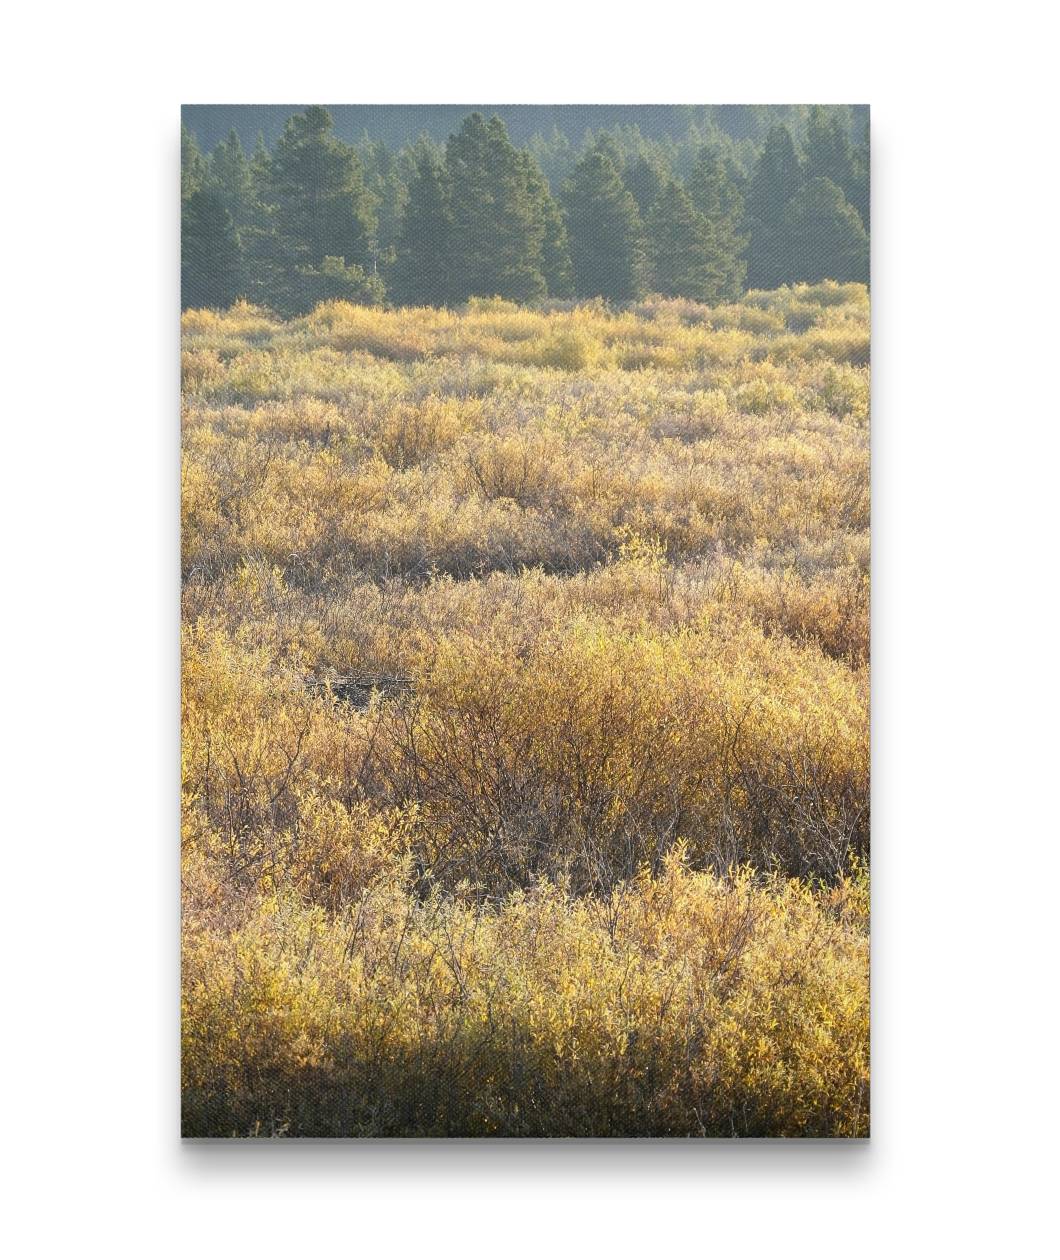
596	863
681	1006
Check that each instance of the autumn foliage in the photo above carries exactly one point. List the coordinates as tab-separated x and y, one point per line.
525	719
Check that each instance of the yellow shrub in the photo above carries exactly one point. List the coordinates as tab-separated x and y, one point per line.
682	1006
525	719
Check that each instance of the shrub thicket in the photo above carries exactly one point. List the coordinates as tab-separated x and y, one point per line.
525	738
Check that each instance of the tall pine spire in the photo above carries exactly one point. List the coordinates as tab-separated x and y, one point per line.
684	261
605	231
421	274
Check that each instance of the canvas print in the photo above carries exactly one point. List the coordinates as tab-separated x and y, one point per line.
525	621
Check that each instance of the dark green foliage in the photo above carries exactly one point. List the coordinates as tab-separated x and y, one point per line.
830	155
192	165
261	173
684	262
333	281
645	179
317	185
209	253
481	219
266	258
714	191
388	194
608	145
467	165
777	177
230	178
485	225
515	222
555	155
859	194
496	238
802	226
718	199
421	274
605	231
828	151
267	268
550	230
823	235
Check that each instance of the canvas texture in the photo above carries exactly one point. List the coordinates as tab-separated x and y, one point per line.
525	621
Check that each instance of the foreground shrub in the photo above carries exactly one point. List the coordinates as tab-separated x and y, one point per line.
588	754
681	1006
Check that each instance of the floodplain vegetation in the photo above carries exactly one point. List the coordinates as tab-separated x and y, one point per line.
525	719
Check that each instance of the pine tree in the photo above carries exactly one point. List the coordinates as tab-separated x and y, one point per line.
718	199
230	177
261	173
265	259
421	272
605	231
683	256
317	184
466	163
645	179
828	151
823	235
550	230
496	245
388	194
604	142
555	156
859	194
334	280
777	177
192	165
209	253
515	221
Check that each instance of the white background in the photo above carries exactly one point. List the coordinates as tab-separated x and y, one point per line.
964	737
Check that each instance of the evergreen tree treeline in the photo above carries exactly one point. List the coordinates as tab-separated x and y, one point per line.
316	218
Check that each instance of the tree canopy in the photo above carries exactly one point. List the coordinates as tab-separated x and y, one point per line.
617	213
605	231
